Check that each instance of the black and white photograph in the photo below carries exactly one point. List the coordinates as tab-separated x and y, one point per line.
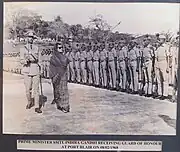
90	68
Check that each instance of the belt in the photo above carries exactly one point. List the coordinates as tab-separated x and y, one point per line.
89	60
133	60
76	60
121	60
102	60
82	60
95	60
111	60
147	60
35	61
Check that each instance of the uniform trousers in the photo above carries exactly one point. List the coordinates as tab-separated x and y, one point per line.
96	72
147	69
83	71
103	73
71	71
32	88
112	73
162	78
90	70
122	74
77	71
133	75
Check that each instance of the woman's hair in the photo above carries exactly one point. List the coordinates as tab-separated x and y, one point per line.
56	46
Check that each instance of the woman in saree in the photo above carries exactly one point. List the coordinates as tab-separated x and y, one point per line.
58	74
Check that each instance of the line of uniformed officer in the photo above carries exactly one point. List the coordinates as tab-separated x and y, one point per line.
133	68
148	69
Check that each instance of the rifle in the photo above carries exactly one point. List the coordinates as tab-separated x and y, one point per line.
100	76
107	71
86	67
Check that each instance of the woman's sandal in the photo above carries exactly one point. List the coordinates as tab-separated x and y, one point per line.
63	109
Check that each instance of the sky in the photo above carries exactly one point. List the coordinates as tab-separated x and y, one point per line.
136	18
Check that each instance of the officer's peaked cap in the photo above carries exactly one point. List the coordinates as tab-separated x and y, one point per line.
157	34
31	34
162	37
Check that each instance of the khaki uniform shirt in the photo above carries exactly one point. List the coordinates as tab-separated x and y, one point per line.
83	55
33	68
112	54
89	55
96	55
77	56
103	55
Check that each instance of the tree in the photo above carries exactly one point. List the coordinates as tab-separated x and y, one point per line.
98	22
20	20
58	27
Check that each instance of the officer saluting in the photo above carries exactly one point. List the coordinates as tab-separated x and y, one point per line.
29	58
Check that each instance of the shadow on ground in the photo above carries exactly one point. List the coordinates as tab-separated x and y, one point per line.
171	122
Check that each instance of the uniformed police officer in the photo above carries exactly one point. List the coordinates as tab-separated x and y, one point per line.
121	56
71	63
147	67
96	64
83	64
174	66
90	64
132	56
111	61
77	63
29	58
162	68
140	68
103	73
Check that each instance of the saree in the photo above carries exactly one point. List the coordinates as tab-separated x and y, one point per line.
58	74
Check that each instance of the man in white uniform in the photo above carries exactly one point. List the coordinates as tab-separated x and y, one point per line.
121	56
173	69
77	63
83	64
162	67
89	56
103	74
111	61
96	57
132	56
29	58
